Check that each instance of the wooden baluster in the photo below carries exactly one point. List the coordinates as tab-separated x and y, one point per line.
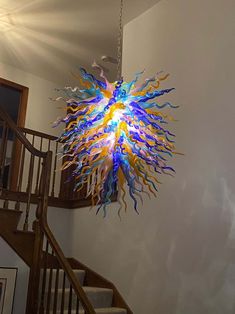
62	296
38	170
33	142
6	203
29	191
3	153
56	291
49	288
44	280
33	139
3	142
70	299
2	164
54	171
77	306
19	186
17	205
21	172
48	149
49	145
33	298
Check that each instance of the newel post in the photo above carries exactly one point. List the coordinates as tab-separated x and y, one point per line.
34	276
33	297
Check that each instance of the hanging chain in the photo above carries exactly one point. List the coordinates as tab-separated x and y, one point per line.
119	46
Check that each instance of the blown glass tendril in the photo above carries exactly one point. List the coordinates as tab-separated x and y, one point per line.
115	137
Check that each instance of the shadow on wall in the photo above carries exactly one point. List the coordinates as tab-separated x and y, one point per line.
180	259
178	255
196	252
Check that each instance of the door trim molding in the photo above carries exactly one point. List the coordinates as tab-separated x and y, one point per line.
24	91
23	99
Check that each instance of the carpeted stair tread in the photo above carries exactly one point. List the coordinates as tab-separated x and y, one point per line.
96	289
78	272
106	310
99	297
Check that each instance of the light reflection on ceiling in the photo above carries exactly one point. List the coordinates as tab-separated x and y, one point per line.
52	39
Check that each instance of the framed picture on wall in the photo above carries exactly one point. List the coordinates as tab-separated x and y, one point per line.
7	289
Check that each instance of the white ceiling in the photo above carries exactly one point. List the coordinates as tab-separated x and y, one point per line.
53	38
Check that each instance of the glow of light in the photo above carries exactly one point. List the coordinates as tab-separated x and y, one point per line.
6	22
116	132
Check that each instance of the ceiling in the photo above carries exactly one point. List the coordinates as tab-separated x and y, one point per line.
53	38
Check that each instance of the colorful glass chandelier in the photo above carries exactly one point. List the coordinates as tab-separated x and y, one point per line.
116	137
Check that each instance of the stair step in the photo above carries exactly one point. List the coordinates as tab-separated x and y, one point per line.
99	297
78	272
106	310
9	218
25	236
12	211
30	233
21	243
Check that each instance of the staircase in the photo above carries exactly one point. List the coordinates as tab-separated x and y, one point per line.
100	298
56	284
21	241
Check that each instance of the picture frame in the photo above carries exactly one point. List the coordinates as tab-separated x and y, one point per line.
7	289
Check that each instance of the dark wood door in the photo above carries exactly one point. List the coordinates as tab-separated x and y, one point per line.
13	99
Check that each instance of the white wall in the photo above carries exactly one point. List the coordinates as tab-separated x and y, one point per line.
60	222
178	255
41	111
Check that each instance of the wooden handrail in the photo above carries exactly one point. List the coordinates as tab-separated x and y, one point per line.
95	279
20	135
68	271
39	134
41	224
42	216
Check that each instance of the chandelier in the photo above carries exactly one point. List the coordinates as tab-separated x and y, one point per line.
116	136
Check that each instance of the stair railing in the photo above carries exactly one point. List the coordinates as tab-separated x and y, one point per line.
43	292
62	183
18	159
61	192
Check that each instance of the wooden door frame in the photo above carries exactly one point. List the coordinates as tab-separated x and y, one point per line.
24	91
